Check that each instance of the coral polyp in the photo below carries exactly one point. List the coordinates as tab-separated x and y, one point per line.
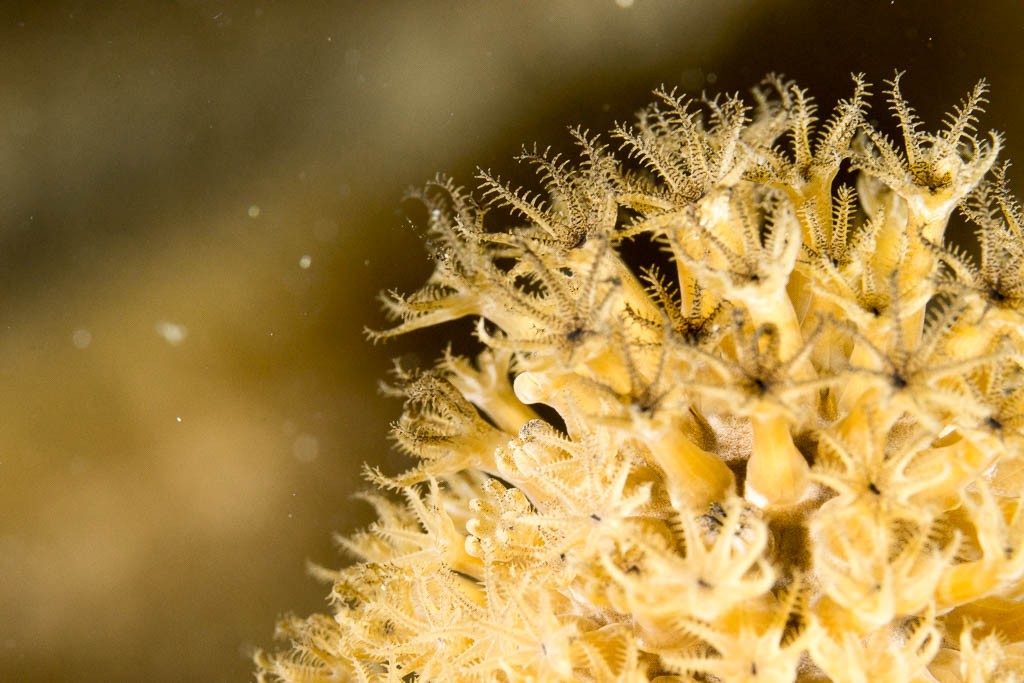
739	413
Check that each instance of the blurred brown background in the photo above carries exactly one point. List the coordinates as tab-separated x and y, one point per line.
198	202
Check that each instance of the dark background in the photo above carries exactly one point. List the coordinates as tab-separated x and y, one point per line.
171	163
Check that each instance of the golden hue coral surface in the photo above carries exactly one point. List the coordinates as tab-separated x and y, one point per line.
739	414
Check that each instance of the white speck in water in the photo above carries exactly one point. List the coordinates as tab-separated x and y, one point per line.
173	333
254	211
435	214
178	418
305	262
81	338
366	262
305	448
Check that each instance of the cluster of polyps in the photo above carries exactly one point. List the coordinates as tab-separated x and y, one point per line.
733	418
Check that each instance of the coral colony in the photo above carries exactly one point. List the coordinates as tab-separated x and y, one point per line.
740	413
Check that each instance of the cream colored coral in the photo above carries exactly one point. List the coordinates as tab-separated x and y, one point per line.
780	435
